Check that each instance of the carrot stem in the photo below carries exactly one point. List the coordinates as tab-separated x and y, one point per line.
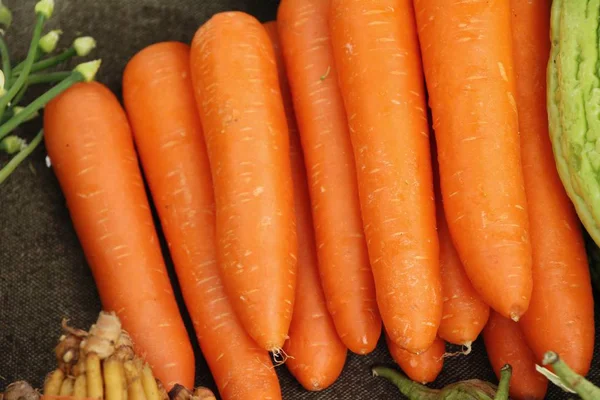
503	385
33	47
584	388
22	155
411	389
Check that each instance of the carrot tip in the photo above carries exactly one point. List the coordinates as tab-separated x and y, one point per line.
279	356
515	316
465	352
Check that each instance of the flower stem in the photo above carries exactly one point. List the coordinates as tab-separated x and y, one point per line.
40	102
50	77
22	155
50	61
4	53
33	48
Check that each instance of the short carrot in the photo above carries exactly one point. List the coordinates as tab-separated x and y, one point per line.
424	367
316	353
505	344
237	91
89	143
467	58
379	70
464	313
561	313
342	250
159	100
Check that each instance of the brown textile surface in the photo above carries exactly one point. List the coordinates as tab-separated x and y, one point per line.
43	273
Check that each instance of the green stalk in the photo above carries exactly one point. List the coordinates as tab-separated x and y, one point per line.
19	95
82	73
50	77
412	390
503	385
49	62
584	388
5	54
22	155
33	47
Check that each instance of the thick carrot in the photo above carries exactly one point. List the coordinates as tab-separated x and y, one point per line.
379	70
240	105
89	143
467	58
159	100
561	313
464	313
316	353
424	367
342	250
505	344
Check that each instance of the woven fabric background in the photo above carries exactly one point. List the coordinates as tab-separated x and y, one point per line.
43	273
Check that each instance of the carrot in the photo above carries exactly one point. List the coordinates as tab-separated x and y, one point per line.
342	250
89	143
379	70
464	313
424	367
505	344
159	100
467	58
561	312
239	101
317	355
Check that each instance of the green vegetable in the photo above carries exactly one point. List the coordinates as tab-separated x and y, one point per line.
15	80
573	103
473	389
584	388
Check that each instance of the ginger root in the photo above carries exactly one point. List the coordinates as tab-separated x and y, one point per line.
101	364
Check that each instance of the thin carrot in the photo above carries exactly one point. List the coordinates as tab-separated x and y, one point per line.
316	353
379	70
89	143
561	312
239	101
467	58
505	344
464	313
159	100
342	250
424	367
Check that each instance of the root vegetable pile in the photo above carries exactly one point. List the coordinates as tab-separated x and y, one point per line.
311	201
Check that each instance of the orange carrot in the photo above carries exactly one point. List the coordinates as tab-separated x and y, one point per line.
561	313
467	58
424	367
379	70
505	344
239	101
317	355
90	145
159	99
342	250
464	313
